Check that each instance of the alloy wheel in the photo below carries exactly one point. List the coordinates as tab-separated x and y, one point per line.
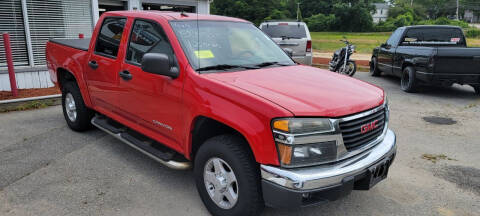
221	183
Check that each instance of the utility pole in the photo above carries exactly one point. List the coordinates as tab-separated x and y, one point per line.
298	10
457	8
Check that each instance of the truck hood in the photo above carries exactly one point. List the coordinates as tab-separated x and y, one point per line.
306	91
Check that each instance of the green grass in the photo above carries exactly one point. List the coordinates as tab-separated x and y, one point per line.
364	42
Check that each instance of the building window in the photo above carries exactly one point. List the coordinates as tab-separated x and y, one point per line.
11	21
56	19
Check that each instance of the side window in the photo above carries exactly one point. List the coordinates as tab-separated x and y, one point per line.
108	40
395	37
147	37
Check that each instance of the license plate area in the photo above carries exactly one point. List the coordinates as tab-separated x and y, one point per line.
374	174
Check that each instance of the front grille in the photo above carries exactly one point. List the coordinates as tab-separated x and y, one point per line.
353	138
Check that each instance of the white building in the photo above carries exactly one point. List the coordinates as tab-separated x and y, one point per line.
381	12
471	17
31	23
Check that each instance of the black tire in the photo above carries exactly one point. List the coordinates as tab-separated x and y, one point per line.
374	71
408	81
477	89
83	113
234	151
354	68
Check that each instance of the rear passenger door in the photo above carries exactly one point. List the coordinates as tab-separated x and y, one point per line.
104	63
151	100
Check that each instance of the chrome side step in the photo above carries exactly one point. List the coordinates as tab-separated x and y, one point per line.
147	146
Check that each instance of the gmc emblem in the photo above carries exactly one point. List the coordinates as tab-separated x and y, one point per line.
368	127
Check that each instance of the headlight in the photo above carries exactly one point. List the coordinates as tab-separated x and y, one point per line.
303	125
305	141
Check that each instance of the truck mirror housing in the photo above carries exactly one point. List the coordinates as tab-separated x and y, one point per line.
158	63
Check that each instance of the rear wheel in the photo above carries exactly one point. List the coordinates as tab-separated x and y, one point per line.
227	177
477	89
408	82
76	114
374	71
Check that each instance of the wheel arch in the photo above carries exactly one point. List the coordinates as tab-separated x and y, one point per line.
204	128
64	75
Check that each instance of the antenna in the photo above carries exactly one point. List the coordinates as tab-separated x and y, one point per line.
198	36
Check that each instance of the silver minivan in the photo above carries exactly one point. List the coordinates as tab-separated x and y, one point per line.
293	35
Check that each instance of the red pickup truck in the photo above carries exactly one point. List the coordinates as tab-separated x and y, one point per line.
217	93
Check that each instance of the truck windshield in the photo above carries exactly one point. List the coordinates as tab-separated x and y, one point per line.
224	46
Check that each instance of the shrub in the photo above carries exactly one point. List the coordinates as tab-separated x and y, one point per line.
444	21
472	33
320	22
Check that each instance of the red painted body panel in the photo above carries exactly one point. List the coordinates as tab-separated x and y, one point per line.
307	91
246	100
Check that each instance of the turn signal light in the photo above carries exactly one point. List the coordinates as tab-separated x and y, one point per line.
281	125
285	153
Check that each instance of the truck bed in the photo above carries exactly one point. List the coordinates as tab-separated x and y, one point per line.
457	60
81	44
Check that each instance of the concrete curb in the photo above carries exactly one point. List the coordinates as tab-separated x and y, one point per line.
30	103
30	99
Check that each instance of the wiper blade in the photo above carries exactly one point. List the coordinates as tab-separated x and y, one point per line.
224	67
266	64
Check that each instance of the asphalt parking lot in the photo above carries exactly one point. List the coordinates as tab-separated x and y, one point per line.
47	169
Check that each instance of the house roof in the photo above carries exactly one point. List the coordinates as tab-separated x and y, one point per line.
381	5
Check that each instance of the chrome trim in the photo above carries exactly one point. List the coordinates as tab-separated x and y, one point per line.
314	177
336	135
170	164
363	114
384	64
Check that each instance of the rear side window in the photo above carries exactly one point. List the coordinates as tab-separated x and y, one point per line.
435	36
285	30
147	37
108	41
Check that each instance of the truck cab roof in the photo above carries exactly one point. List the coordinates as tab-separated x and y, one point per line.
429	26
170	15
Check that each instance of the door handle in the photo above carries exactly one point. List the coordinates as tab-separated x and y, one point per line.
125	75
93	64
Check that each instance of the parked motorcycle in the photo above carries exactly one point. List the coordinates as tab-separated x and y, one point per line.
341	62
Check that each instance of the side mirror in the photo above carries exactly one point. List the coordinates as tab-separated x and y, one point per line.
158	63
288	51
386	46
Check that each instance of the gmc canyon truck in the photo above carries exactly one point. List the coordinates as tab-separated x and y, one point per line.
217	94
432	55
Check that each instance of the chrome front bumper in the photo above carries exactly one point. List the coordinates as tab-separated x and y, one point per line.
315	177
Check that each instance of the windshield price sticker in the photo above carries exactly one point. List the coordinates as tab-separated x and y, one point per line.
204	54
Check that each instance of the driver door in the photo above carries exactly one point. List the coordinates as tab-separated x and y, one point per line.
150	100
387	52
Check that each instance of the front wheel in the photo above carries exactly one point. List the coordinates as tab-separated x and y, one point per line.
374	71
349	69
227	177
